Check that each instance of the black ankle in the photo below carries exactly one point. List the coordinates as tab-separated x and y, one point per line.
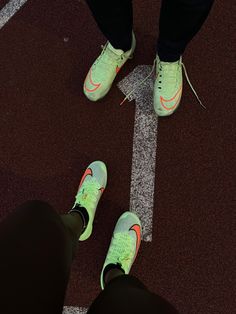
83	214
110	267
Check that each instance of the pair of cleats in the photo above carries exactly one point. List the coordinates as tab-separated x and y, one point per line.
127	235
168	83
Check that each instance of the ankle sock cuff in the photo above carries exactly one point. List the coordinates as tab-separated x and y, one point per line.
83	214
112	266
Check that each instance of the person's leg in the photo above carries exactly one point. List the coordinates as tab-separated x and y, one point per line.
127	295
37	247
115	20
36	254
180	21
123	293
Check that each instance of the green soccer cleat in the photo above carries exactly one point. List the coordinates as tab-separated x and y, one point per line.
168	87
124	245
92	185
104	70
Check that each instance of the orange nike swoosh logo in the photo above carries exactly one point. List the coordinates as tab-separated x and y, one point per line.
163	100
117	69
97	85
88	172
137	230
102	189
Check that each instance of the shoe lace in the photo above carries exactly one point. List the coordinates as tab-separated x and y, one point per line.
169	70
108	56
121	250
185	71
88	194
172	71
138	84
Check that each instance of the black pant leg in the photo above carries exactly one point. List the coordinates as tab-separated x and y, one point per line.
115	20
127	295
180	21
36	255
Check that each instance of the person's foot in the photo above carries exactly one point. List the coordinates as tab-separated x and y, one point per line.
91	187
168	87
123	248
104	70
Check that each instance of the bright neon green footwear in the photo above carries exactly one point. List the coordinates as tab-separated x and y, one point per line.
104	70
125	243
92	185
168	87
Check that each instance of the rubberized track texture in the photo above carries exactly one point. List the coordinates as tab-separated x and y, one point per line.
49	133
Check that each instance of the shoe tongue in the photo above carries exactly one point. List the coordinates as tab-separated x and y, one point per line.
118	52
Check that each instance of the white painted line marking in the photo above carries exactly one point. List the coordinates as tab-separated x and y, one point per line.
74	310
144	146
9	10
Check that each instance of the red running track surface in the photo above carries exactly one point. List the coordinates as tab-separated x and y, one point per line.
49	133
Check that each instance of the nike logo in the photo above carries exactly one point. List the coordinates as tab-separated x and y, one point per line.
102	189
97	85
118	69
137	230
88	172
175	99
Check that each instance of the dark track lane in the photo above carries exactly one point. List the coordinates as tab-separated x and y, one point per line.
49	132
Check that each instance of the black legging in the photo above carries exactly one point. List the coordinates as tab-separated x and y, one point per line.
37	250
180	20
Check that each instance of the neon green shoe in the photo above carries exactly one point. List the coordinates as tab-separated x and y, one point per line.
104	70
92	185
124	245
168	87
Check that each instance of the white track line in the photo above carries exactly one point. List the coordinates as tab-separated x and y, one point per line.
144	146
74	310
9	10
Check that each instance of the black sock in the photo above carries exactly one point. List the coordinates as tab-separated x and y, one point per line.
112	266
83	214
